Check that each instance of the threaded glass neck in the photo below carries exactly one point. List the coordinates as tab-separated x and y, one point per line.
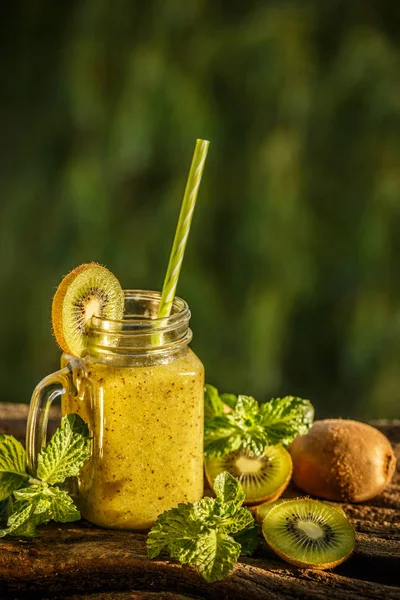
140	335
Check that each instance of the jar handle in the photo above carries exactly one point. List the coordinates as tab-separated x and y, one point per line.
43	396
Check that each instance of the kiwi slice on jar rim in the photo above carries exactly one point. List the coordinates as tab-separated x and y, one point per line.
262	477
89	290
308	533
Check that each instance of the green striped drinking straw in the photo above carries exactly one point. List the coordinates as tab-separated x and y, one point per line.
183	228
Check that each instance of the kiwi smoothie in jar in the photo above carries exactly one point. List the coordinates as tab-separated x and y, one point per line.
128	372
140	389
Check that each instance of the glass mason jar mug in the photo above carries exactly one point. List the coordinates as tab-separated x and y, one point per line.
140	389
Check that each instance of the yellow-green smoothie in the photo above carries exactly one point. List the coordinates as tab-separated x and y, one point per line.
147	429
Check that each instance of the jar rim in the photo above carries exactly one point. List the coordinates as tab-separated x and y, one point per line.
180	313
140	334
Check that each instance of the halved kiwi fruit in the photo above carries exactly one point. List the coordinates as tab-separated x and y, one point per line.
262	477
309	533
89	290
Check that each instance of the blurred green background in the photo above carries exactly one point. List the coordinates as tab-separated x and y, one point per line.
290	270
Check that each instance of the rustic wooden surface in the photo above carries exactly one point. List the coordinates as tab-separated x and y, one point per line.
81	562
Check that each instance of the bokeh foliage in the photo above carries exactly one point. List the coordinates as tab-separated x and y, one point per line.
291	266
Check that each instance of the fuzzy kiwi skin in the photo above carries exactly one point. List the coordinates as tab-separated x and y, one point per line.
304	565
58	301
342	460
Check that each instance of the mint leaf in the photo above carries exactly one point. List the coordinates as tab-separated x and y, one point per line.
21	513
13	473
213	405
249	540
50	503
4	511
240	519
216	404
216	555
200	533
62	509
175	525
221	435
229	400
27	529
251	427
37	505
228	488
285	418
67	451
37	501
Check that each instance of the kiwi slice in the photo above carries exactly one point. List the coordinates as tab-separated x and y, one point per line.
89	290
262	477
309	533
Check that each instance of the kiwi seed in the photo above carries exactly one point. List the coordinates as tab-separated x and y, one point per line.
89	290
262	477
309	533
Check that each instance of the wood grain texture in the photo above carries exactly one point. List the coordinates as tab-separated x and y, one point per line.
79	561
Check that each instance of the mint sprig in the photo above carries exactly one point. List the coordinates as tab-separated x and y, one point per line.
13	473
205	533
34	501
250	426
66	452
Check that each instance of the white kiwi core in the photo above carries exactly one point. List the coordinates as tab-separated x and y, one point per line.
312	530
92	308
248	465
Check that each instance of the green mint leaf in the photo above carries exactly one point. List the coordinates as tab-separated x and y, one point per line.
216	404
216	555
228	488
241	519
229	399
62	508
4	511
203	511
13	473
221	435
21	513
285	418
50	503
27	529
251	427
247	408
213	405
173	528
249	540
67	451
199	533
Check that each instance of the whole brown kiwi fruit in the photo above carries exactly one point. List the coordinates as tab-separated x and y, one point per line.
342	460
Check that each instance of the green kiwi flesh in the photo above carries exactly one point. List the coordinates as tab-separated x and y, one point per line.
262	510
262	477
309	533
89	290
